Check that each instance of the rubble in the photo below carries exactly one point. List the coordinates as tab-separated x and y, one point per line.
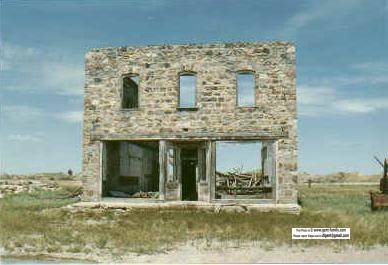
14	186
242	183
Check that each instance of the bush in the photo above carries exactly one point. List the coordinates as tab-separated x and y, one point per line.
72	190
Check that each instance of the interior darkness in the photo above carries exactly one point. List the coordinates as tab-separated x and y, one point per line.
130	92
189	160
131	169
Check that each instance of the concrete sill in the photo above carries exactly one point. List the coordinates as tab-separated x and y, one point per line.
187	109
247	107
125	204
128	110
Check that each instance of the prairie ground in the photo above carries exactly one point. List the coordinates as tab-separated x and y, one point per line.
37	224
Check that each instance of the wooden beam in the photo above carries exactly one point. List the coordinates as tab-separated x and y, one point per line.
260	135
162	168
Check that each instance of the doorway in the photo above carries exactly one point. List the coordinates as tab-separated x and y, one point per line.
189	160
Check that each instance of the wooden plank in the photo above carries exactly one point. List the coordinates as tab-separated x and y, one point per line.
260	135
273	170
212	167
162	168
209	175
170	162
178	164
101	173
202	165
208	160
103	161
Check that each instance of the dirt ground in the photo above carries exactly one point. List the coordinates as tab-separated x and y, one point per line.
323	205
253	254
189	254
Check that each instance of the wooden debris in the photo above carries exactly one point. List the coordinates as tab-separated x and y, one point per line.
242	183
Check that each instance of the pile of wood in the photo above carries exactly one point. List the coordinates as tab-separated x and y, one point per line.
149	194
139	194
242	183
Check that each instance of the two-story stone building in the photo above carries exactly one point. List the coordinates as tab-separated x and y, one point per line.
154	115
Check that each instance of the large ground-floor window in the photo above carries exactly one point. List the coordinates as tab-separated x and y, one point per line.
243	170
131	169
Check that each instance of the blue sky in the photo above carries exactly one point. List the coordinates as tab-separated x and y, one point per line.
342	70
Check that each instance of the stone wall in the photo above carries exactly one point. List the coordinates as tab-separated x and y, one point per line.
217	116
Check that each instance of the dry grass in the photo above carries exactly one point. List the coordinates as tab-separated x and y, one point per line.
40	176
35	223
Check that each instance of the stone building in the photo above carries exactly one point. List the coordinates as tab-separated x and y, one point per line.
154	116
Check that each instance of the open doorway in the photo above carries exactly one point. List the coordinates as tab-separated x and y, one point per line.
131	169
189	160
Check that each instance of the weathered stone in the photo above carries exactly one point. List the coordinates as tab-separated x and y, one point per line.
216	116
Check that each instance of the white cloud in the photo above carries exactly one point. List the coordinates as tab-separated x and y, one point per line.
11	55
64	79
334	14
321	101
24	138
29	69
24	113
366	105
313	100
315	95
373	71
70	116
321	96
372	66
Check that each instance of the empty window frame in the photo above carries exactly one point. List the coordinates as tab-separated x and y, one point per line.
243	170
131	169
130	96
187	90
245	89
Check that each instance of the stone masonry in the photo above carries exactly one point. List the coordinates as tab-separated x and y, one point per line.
216	117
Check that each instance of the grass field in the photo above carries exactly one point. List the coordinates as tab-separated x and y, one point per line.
35	223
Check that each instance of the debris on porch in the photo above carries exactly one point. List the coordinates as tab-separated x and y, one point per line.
243	183
139	194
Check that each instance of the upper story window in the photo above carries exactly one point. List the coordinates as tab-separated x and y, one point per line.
130	97
245	89
187	90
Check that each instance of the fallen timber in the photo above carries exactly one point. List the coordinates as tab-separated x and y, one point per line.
243	183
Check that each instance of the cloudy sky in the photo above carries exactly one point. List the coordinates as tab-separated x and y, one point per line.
342	70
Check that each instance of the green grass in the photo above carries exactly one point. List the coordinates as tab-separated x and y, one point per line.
35	222
352	199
